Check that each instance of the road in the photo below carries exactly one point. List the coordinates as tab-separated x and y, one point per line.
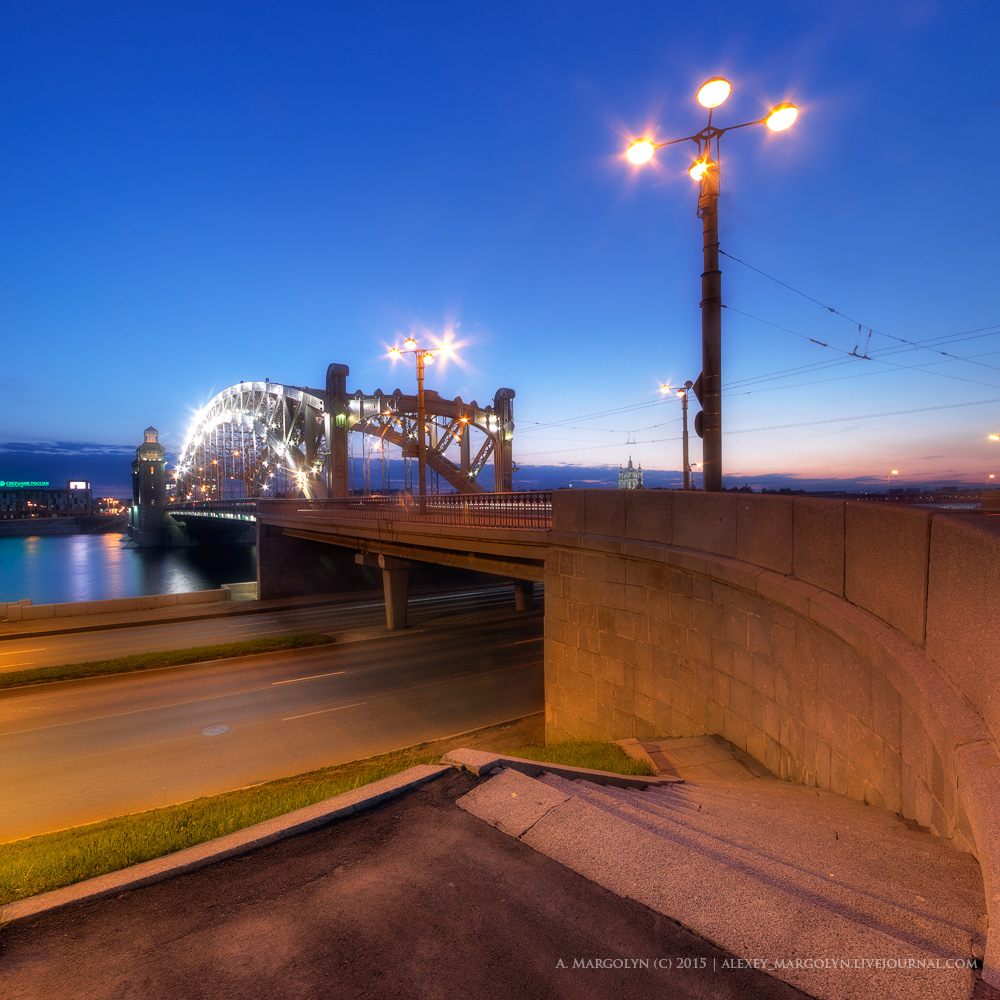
80	751
347	620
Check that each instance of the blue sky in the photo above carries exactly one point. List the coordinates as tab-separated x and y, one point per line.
199	193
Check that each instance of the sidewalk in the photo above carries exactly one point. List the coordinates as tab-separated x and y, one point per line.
174	613
414	899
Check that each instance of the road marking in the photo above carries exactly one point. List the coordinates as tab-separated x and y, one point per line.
215	730
15	652
323	711
312	677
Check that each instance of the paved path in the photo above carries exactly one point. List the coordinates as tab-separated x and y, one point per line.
417	899
839	899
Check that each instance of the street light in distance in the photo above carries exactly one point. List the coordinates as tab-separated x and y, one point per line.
682	393
423	356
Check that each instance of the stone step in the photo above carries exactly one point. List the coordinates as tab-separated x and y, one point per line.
752	878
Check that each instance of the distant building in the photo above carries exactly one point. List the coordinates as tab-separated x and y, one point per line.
630	478
149	490
32	498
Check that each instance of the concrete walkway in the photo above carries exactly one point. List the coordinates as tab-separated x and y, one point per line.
415	899
841	900
752	888
169	615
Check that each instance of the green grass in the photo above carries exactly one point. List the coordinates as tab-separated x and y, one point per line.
166	658
53	860
600	755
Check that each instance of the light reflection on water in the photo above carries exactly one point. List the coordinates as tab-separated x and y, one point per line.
60	568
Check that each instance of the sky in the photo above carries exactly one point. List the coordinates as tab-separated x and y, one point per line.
199	193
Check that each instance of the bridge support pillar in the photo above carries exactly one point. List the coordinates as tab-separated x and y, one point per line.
395	585
524	595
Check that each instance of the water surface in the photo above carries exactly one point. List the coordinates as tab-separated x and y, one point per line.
59	568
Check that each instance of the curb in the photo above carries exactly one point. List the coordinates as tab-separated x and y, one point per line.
253	609
231	845
481	764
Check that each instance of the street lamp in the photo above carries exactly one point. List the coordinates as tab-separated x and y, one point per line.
423	356
705	170
683	394
891	472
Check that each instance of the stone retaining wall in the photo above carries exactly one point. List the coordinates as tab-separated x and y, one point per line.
17	611
849	645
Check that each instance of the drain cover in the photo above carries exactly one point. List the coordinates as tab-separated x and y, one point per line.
215	730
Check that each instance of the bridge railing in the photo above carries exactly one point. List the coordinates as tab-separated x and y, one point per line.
532	511
242	508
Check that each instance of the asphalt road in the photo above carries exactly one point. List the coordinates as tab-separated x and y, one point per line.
366	616
79	751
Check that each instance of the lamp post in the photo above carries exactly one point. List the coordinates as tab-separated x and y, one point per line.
423	356
705	170
683	394
888	480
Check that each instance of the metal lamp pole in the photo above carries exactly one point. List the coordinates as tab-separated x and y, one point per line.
683	393
421	441
705	170
685	465
422	356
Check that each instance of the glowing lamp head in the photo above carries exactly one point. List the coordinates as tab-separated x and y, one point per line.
681	392
640	151
395	353
428	358
699	169
714	92
781	116
410	344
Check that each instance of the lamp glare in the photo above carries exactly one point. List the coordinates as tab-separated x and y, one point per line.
639	151
781	117
698	169
714	92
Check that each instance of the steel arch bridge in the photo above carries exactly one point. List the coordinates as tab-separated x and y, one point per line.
265	439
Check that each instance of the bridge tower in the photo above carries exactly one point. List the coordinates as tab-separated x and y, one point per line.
336	433
149	491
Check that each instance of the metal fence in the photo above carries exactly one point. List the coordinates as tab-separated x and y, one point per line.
531	511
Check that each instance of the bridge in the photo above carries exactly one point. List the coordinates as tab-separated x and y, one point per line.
501	534
849	645
266	439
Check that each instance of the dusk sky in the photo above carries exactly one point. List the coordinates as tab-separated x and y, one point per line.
196	194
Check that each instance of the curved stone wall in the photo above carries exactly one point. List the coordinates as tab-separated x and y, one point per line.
848	645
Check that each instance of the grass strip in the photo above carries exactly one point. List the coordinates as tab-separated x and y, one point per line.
52	860
166	658
600	755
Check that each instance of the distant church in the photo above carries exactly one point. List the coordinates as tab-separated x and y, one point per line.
630	479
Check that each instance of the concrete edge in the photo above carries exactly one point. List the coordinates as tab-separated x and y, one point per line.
637	751
239	842
480	763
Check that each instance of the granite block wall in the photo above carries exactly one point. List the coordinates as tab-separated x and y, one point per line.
848	645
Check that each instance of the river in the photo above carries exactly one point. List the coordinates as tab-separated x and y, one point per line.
58	568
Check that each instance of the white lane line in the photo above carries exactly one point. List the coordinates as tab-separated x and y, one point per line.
16	652
312	677
323	711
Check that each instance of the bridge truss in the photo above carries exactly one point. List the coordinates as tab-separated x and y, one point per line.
265	439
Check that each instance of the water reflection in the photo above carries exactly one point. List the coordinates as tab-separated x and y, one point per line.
53	569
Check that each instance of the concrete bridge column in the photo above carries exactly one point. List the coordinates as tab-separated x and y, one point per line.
395	584
524	595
